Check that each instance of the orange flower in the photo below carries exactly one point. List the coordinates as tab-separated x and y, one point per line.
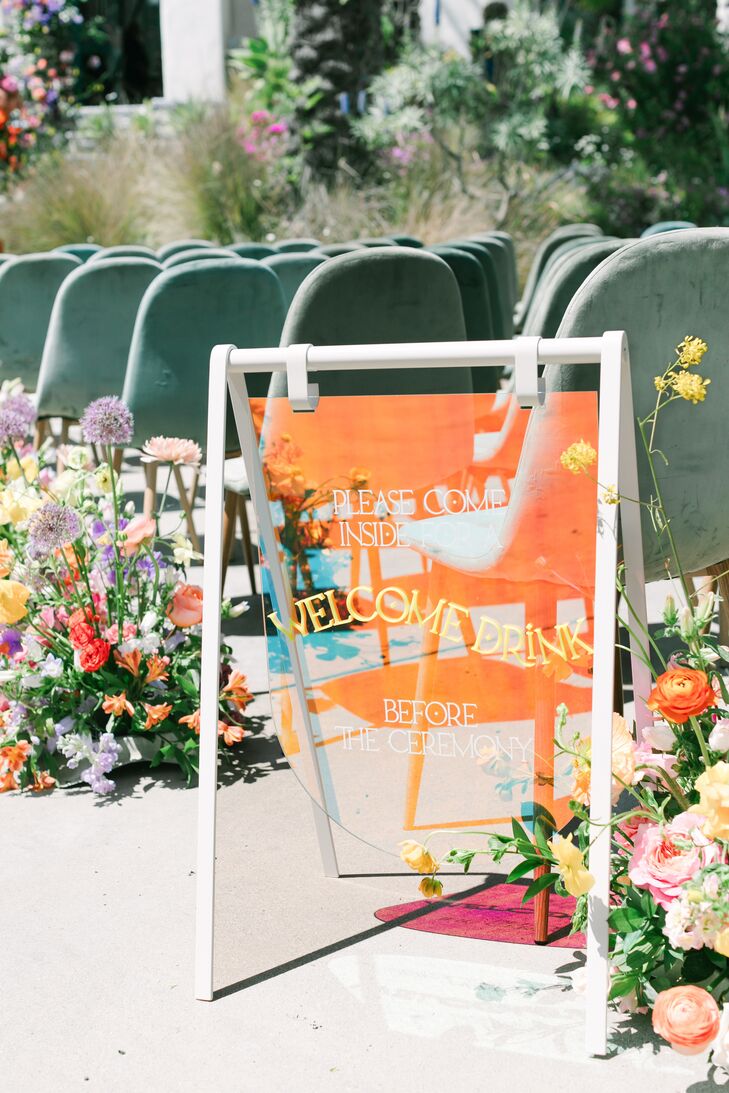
236	690
42	780
231	734
359	477
117	704
8	782
142	529
681	693
192	720
157	668
688	1017
6	558
130	661
186	607
13	756
156	714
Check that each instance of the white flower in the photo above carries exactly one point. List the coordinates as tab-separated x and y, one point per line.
149	621
52	667
11	388
660	736
720	1058
77	457
236	610
182	551
719	736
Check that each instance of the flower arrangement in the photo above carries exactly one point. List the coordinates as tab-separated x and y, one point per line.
100	635
669	920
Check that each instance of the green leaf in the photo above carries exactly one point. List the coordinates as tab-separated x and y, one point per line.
539	885
625	919
523	868
622	984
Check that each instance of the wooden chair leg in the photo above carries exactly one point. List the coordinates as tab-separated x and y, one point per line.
245	531
117	460
150	488
65	426
231	504
187	502
41	431
720	573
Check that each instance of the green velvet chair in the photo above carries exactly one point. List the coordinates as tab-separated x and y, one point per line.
256	251
333	250
28	287
561	283
5	257
666	226
508	242
374	241
131	250
406	240
504	280
471	279
296	246
87	345
491	273
547	246
83	251
184	313
200	254
658	290
376	295
179	245
292	268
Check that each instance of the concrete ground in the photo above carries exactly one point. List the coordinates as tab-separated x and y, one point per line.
313	993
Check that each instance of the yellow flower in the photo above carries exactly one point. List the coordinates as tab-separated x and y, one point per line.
13	598
578	457
103	478
575	877
690	386
660	383
430	888
7	558
690	351
721	942
610	495
17	505
624	763
713	785
418	857
30	469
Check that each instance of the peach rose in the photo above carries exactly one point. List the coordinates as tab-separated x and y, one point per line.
681	693
665	857
186	607
139	530
688	1017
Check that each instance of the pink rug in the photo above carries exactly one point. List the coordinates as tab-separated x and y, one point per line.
490	914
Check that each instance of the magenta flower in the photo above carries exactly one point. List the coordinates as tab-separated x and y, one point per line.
624	46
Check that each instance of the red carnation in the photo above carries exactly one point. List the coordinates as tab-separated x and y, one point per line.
81	614
94	655
81	634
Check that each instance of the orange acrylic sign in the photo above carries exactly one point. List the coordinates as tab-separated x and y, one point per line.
441	565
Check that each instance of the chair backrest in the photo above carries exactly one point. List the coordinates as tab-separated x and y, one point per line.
296	246
184	313
558	236
256	251
5	257
472	286
491	273
179	245
374	296
508	242
562	282
333	250
374	241
666	226
406	240
86	349
292	268
200	254
504	280
658	290
131	250
83	251
28	287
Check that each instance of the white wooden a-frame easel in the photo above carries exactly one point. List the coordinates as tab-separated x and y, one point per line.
616	467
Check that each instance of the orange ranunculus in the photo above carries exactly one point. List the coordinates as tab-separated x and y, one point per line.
192	720
231	734
156	714
8	782
186	607
42	780
13	756
142	529
157	668
681	693
236	691
688	1017
117	704
130	660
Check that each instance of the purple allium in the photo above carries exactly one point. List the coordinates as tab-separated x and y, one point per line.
51	527
17	418
107	421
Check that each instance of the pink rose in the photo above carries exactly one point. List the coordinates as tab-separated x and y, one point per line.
664	858
139	530
112	632
47	617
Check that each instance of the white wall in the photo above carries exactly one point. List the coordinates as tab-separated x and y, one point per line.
457	19
193	49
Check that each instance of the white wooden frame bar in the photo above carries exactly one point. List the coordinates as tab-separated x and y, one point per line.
616	467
